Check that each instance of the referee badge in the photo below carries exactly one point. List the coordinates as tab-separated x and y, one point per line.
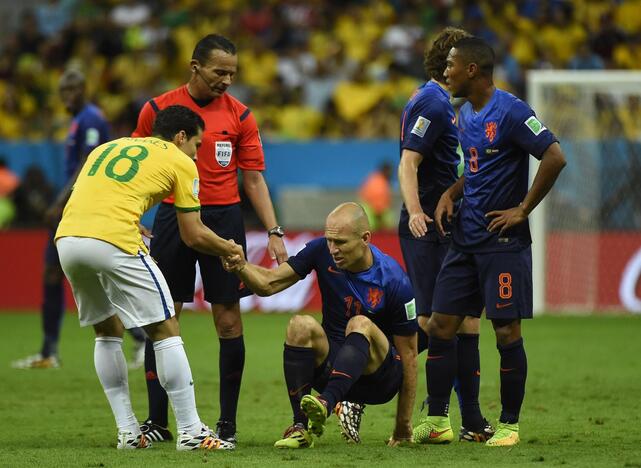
223	153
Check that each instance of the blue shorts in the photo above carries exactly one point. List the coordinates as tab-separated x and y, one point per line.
373	389
423	261
499	281
51	252
178	262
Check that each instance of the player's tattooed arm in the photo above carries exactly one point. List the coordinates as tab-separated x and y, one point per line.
552	163
407	349
262	281
445	206
408	180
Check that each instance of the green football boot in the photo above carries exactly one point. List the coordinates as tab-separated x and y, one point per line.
295	437
316	411
434	430
506	435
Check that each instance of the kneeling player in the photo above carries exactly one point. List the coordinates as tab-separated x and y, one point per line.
365	349
113	278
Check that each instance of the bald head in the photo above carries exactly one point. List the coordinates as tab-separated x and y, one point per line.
349	215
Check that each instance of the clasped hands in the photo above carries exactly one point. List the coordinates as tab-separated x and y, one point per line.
234	261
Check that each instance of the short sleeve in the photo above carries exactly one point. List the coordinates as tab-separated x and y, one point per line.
305	260
186	185
423	125
403	308
527	132
145	121
93	132
249	146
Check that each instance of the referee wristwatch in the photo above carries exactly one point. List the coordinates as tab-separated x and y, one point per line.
276	231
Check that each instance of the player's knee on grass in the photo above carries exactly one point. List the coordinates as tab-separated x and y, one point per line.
227	320
507	331
300	331
443	326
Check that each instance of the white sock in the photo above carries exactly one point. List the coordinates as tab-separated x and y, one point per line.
174	375
111	368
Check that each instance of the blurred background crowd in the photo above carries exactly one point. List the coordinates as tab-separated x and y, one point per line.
307	68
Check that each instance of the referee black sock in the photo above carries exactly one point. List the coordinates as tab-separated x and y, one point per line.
513	376
441	368
231	364
469	379
298	365
349	365
156	395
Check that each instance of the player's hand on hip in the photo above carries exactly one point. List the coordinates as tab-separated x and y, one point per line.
276	249
503	220
444	208
418	224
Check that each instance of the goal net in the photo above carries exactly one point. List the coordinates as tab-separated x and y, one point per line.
587	233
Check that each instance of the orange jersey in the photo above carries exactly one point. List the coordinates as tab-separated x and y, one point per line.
230	142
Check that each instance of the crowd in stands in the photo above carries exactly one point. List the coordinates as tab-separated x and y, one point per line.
307	68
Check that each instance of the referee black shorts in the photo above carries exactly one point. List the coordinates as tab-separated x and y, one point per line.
178	262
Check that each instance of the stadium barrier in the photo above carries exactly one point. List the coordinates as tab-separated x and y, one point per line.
615	289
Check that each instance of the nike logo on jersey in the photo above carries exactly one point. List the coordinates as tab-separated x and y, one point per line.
504	305
335	372
331	269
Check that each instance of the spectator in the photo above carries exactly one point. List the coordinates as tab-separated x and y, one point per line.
376	197
32	199
8	183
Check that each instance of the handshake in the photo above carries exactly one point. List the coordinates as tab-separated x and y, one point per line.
234	260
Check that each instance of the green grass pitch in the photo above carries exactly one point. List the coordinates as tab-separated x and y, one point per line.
582	406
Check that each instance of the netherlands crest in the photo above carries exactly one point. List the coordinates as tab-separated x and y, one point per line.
490	131
374	297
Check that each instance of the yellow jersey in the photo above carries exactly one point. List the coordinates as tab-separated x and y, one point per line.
122	179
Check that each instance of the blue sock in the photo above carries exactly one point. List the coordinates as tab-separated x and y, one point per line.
468	381
513	377
52	313
351	361
298	365
156	395
441	368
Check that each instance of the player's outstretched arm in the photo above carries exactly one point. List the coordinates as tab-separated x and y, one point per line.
408	180
262	281
199	237
258	194
445	206
407	349
552	163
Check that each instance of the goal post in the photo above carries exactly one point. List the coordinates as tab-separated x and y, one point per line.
596	115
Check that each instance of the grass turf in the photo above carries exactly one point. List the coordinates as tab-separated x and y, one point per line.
582	405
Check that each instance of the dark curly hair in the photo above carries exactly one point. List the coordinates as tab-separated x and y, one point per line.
436	54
